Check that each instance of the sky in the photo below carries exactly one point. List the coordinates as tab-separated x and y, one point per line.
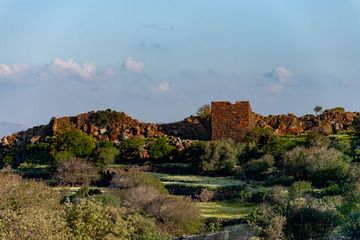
160	60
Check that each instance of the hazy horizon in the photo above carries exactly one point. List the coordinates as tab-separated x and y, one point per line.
159	61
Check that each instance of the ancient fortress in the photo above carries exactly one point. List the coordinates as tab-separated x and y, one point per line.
232	121
228	121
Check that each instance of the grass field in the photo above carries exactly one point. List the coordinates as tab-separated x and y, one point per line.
224	209
198	181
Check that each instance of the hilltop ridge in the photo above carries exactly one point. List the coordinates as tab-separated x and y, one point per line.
116	126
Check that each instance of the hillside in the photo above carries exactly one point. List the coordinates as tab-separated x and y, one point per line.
116	126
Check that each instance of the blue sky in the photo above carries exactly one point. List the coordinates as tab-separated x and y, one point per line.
160	60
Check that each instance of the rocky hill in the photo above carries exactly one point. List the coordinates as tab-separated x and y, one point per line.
116	126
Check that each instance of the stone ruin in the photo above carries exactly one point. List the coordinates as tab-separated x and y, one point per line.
231	121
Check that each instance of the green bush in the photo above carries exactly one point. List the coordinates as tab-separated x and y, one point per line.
298	189
8	160
257	143
217	156
204	112
39	153
29	210
63	156
309	223
267	223
160	149
145	228
336	109
136	179
89	220
132	148
345	145
107	117
105	155
319	165
74	141
351	229
258	168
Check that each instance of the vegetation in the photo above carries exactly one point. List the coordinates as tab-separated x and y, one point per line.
204	112
288	187
74	141
317	109
216	156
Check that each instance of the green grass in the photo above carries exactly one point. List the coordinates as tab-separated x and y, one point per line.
229	210
198	181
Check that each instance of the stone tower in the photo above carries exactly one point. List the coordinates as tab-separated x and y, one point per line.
231	121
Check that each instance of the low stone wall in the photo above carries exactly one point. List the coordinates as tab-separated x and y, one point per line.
237	232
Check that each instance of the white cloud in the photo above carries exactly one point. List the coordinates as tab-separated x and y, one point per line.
58	69
86	70
12	73
133	65
279	78
162	87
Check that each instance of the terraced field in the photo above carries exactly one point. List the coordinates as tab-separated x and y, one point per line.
198	181
229	210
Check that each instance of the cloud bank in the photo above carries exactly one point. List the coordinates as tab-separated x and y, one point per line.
57	69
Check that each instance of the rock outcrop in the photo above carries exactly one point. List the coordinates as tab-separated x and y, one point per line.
116	126
329	122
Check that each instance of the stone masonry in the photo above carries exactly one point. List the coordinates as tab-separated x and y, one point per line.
231	121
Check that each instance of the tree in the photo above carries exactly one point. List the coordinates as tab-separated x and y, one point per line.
318	109
204	111
74	141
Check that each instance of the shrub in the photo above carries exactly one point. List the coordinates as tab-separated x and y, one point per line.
132	148
160	149
344	145
317	139
336	109
29	210
106	155
74	141
8	160
39	153
107	117
63	156
258	142
176	215
351	228
16	193
260	136
205	195
257	169
136	179
137	197
89	220
319	165
298	189
145	229
108	199
204	112
142	191
309	223
75	172
356	126
33	223
217	156
267	223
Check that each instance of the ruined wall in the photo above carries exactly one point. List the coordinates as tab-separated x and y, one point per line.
231	121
